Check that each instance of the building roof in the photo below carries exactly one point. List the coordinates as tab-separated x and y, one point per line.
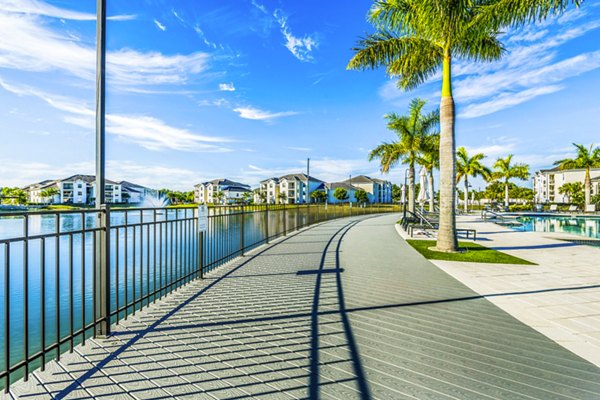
133	187
87	179
236	189
365	179
224	182
276	180
299	177
343	185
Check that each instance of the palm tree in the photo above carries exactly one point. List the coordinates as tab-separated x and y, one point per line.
219	196
414	38
430	160
412	129
586	158
506	171
469	166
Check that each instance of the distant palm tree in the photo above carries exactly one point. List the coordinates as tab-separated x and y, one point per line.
414	38
281	197
219	196
470	166
586	158
430	160
412	129
506	171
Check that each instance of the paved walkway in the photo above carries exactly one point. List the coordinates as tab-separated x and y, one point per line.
344	310
559	297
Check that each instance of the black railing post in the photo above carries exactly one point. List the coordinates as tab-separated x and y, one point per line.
284	221
267	223
103	263
242	244
201	253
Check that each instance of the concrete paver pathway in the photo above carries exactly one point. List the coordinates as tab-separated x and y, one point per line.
343	310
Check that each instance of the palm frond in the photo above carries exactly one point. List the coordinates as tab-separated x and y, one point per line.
516	12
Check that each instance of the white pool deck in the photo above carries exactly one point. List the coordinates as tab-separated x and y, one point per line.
559	297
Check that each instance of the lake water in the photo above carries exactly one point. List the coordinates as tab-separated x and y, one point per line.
161	249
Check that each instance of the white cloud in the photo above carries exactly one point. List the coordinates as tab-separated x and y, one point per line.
506	100
227	87
213	103
260	115
304	149
159	25
26	44
300	47
148	132
35	7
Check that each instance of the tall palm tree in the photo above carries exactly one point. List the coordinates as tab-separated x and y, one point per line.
586	158
506	171
470	166
414	38
412	129
430	160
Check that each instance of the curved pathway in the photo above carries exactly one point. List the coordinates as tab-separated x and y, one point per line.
342	310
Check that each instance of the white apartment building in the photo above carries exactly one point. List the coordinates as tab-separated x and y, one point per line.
76	189
547	182
378	190
233	192
290	189
133	193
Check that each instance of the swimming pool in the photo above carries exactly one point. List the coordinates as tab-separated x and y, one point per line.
582	226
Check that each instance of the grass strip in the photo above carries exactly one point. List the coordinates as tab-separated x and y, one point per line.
470	252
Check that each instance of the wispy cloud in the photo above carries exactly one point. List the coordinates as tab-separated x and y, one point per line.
148	132
159	25
261	115
35	7
226	87
27	44
303	149
300	47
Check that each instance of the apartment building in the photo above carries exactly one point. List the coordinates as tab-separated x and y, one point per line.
76	189
378	190
290	189
232	192
547	183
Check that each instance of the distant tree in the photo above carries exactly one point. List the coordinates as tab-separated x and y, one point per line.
48	193
469	166
412	131
219	195
14	195
361	196
262	196
494	191
596	200
340	194
505	171
430	160
522	193
247	197
574	192
318	196
586	158
396	193
281	198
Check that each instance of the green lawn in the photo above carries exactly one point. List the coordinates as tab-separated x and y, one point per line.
471	252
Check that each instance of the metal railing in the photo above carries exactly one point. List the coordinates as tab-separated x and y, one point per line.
68	275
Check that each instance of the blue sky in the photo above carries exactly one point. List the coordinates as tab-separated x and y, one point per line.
250	89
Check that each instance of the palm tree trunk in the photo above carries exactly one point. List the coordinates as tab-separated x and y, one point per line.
411	188
506	193
588	186
431	200
446	239
466	194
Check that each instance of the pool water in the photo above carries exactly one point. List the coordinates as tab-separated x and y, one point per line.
582	226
